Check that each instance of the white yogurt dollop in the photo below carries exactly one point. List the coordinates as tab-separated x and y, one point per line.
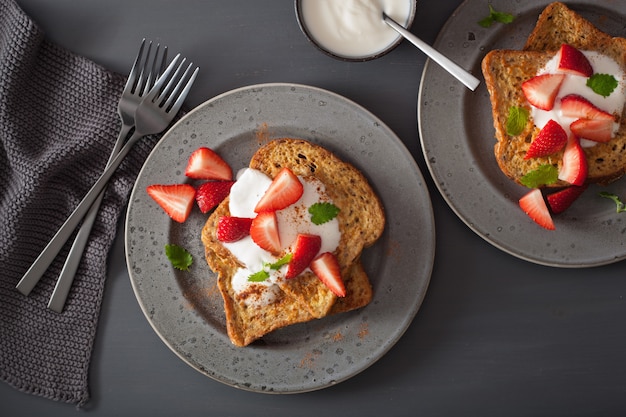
354	28
250	186
576	84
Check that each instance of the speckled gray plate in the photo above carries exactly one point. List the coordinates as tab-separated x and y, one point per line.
185	308
457	135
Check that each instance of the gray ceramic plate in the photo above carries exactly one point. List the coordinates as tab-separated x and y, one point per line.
457	135
185	308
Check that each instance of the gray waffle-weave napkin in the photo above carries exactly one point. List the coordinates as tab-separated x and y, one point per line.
58	123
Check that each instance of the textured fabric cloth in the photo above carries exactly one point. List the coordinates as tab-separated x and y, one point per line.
58	124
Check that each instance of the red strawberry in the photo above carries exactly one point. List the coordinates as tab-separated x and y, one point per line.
574	168
579	107
177	199
264	232
211	193
541	91
326	268
205	164
305	249
572	61
551	139
232	229
599	130
561	200
284	190
535	207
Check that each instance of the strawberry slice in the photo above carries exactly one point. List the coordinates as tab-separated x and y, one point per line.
576	106
177	199
206	164
572	61
535	207
561	200
211	193
598	130
574	168
284	190
551	139
231	228
326	268
264	232
541	91
305	249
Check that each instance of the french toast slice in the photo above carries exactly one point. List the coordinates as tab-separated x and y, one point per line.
506	70
361	222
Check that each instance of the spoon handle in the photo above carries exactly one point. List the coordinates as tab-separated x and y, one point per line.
459	73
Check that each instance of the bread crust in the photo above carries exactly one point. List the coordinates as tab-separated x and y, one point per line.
506	70
361	222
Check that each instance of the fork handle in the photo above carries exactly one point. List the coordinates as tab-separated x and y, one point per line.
45	258
68	273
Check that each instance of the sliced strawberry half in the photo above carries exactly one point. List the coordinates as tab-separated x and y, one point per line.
541	91
574	168
326	268
176	199
206	164
551	139
264	232
305	249
572	61
231	228
598	130
576	106
210	194
561	200
535	207
284	190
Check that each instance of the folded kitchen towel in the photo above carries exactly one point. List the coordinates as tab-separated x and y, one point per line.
58	124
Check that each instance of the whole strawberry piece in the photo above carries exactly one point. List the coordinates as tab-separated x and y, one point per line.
535	207
284	190
305	249
561	200
551	139
574	105
572	61
264	232
206	164
541	90
326	268
574	168
231	229
211	193
177	199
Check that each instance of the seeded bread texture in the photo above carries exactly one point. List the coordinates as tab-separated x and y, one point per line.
506	70
361	222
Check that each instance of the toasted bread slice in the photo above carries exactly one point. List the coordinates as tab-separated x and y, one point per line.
506	70
361	222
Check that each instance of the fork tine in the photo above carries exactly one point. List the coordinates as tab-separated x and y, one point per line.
158	65
178	95
158	88
143	82
134	72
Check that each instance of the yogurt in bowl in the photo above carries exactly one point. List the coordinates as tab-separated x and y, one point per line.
353	30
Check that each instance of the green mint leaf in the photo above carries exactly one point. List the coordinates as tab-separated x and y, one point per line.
259	276
603	84
282	261
179	257
495	16
621	207
516	122
323	212
544	175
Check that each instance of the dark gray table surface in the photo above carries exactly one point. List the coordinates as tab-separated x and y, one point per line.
496	336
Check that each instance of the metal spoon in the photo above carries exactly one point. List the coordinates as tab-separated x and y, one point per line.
459	73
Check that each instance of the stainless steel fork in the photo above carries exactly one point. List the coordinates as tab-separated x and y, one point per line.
143	75
153	115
